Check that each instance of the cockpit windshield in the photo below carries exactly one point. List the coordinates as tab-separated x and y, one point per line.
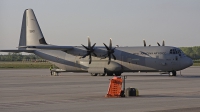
176	51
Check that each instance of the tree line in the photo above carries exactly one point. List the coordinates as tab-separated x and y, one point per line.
192	52
18	57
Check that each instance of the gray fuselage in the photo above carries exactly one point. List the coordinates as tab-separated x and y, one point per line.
128	59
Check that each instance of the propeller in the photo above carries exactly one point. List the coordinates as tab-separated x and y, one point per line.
163	43
90	51
145	43
110	51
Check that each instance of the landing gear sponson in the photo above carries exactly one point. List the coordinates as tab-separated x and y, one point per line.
172	73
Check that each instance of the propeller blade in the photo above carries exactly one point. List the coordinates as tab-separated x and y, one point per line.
89	44
84	55
158	44
114	56
109	59
85	47
94	54
108	62
93	45
110	44
106	46
163	43
144	43
90	59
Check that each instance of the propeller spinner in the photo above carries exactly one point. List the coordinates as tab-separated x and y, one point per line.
90	50
110	51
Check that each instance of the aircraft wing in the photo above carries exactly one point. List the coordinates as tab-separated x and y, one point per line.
17	51
49	47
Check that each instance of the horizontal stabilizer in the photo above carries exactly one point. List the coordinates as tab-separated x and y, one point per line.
49	47
17	51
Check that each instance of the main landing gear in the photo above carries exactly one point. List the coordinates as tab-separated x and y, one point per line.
172	73
54	73
108	74
100	74
114	74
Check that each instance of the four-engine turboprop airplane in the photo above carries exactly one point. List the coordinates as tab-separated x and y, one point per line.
99	60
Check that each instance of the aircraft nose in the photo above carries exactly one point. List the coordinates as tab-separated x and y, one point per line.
190	62
186	62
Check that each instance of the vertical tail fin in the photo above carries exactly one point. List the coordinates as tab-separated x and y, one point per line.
31	33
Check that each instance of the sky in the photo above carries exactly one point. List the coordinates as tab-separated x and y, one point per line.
127	22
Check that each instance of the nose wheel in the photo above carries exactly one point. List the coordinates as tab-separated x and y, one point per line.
172	73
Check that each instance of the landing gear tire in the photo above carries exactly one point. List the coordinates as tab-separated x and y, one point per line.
118	74
102	74
109	74
94	74
55	73
173	73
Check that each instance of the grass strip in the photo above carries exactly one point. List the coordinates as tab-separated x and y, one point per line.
22	65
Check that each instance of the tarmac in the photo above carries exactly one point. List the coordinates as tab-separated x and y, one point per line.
34	90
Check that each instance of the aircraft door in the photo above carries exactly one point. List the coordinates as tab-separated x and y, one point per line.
175	62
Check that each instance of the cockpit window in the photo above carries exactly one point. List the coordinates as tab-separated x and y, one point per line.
175	51
170	51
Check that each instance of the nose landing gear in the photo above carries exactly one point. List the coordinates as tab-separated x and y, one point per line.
172	73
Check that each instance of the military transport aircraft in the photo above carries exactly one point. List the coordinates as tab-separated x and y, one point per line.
105	60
